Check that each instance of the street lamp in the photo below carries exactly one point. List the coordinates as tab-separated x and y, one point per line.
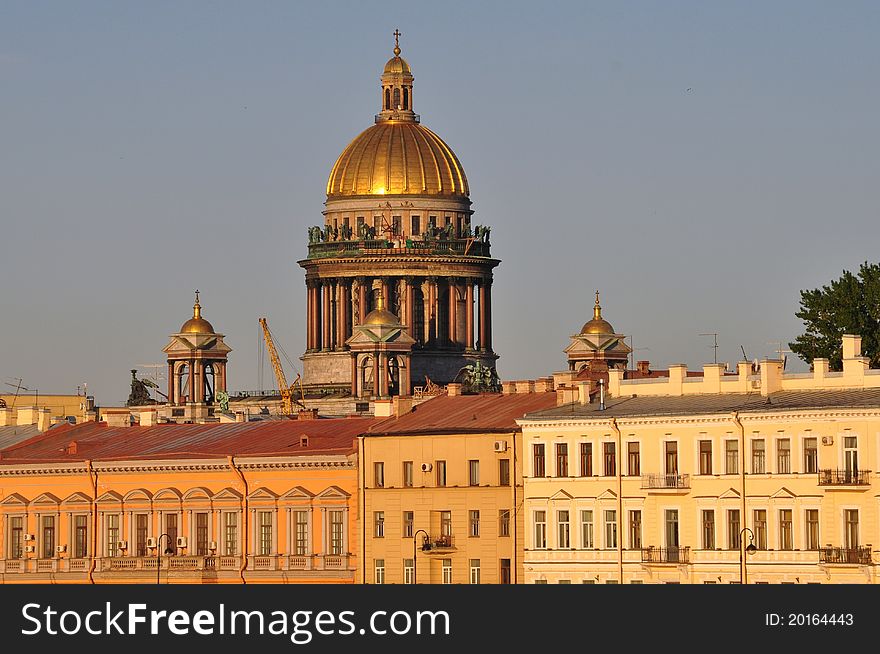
426	545
158	548
750	550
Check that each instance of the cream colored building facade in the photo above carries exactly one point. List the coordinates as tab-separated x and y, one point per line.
673	478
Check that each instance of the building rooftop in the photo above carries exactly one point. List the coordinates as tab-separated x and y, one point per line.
98	442
664	405
464	414
14	434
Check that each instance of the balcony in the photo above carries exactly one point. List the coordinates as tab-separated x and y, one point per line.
845	555
436	246
673	555
437	544
844	477
661	481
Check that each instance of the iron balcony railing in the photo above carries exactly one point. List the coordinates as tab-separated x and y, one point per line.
430	544
666	554
456	246
666	481
844	477
850	555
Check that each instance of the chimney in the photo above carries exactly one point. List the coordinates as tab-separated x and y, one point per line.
712	377
72	447
44	419
854	364
382	408
615	379
771	376
307	414
584	392
525	386
852	346
403	404
26	416
117	417
677	374
149	418
7	417
508	387
240	416
820	369
566	395
644	367
544	385
453	389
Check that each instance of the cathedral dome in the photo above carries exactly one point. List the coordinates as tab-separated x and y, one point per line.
397	157
397	65
598	325
380	315
197	324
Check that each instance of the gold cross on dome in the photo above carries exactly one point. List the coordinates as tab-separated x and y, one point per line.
197	296
396	37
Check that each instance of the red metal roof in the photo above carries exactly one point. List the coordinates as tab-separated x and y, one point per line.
98	442
488	412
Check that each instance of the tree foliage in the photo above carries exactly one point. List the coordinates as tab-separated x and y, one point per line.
849	305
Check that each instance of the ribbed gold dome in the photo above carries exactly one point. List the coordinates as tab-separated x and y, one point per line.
197	324
397	157
598	325
397	66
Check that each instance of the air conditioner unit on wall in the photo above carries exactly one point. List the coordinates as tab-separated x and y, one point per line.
500	446
427	467
828	440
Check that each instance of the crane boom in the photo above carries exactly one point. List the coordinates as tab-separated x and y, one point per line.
286	391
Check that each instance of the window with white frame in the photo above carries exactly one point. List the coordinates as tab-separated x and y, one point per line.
563	530
409	571
475	571
379	524
635	530
587	530
447	571
474	472
811	524
540	530
758	458
504	522
407	474
301	533
786	536
81	536
783	456
408	522
264	523
811	456
731	457
610	529
708	520
380	571
111	534
230	533
759	526
337	531
474	520
672	528
16	537
446	523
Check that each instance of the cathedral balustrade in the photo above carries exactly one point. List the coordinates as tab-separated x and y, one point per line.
402	246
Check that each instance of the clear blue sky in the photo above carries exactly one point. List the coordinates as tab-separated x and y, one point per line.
700	163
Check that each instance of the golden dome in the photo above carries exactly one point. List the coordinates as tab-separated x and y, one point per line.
598	325
380	315
397	157
397	66
197	324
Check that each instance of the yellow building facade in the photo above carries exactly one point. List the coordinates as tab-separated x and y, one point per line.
441	488
677	480
265	502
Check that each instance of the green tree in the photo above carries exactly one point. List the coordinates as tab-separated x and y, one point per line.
849	305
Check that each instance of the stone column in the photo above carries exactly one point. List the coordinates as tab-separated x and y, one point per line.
405	377
483	315
334	315
354	376
453	311
426	311
384	291
409	315
362	299
171	395
342	302
309	309
376	374
383	374
469	315
325	337
193	381
489	315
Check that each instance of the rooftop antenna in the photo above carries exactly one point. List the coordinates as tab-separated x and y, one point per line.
780	351
18	388
633	350
156	375
745	356
714	345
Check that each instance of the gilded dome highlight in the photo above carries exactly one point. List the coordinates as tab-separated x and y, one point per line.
598	325
197	324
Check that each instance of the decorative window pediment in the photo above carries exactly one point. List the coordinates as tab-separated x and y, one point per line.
199	493
77	498
110	497
46	499
332	495
167	495
608	495
14	500
138	495
729	494
228	495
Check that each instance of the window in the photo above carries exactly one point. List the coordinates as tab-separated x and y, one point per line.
230	533
336	532
610	529
112	534
81	536
265	523
563	534
447	571
475	571
48	529
635	530
474	472
733	529
633	463
474	521
505	571
811	520
671	528
504	522
378	524
705	457
758	457
760	528
731	458
540	530
587	530
851	520
409	571
504	472
785	533
811	455
416	226
201	534
407	474
301	533
610	459
379	474
380	571
708	516
446	523
16	533
586	459
171	530
538	460
440	467
850	457
671	448
783	456
562	459
408	520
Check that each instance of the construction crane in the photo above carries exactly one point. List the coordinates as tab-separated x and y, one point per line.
287	398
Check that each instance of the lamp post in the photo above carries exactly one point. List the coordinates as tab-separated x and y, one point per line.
416	553
750	549
168	550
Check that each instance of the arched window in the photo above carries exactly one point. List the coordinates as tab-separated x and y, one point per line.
405	98
387	98
396	98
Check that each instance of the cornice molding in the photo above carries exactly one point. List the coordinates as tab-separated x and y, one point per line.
214	465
